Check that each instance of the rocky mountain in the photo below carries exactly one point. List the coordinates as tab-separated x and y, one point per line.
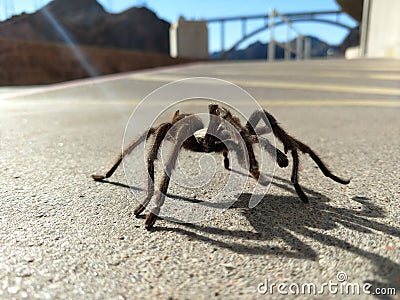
259	50
85	22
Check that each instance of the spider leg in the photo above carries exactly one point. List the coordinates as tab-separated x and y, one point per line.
246	137
210	139
307	150
254	119
295	177
226	160
281	158
152	156
293	144
152	216
120	155
290	143
221	147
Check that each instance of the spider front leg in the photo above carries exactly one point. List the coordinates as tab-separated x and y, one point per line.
226	160
245	136
281	158
160	134
181	134
120	155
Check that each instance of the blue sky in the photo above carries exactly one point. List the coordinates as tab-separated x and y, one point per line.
170	10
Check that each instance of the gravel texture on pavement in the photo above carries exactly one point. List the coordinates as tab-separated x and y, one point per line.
65	236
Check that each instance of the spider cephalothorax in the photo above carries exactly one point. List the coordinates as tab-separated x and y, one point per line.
188	131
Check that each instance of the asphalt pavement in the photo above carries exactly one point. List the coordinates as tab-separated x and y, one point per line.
65	236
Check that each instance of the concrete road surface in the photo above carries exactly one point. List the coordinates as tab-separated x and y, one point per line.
65	236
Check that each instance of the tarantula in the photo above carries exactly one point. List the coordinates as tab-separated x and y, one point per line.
187	135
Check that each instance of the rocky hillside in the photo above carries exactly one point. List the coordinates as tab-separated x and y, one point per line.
85	22
30	63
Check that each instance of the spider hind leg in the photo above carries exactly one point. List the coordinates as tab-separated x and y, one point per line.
293	145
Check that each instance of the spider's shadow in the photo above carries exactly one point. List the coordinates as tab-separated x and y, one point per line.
285	218
176	197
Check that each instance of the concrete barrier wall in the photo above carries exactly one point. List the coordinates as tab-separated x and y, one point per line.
383	38
189	39
29	63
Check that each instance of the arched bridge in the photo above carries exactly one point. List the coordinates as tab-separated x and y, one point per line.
315	16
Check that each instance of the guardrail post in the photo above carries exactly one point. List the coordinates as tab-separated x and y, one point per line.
222	36
271	46
299	47
244	27
307	48
288	53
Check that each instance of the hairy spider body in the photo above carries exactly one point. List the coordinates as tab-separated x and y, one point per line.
188	131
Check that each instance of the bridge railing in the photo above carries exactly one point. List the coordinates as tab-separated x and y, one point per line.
303	45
